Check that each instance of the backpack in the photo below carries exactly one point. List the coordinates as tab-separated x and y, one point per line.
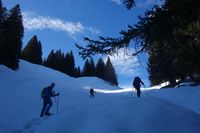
136	81
44	93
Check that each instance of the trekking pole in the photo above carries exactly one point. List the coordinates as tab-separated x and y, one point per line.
57	104
55	99
145	90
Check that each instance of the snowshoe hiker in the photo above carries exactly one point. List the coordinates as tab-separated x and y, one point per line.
46	95
137	83
92	93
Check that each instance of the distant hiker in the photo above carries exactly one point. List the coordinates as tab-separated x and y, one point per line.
46	95
92	93
137	83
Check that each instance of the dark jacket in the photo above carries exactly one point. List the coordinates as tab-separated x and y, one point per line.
91	91
137	82
48	92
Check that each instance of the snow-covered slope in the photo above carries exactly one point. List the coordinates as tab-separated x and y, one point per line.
170	110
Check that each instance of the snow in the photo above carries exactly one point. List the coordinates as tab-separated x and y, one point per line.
113	110
185	84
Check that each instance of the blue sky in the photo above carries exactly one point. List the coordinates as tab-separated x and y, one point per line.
59	24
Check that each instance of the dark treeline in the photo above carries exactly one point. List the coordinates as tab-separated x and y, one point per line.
57	60
101	70
170	34
62	62
11	34
32	52
65	63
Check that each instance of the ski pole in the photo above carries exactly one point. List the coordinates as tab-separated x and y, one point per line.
57	105
57	102
55	99
145	90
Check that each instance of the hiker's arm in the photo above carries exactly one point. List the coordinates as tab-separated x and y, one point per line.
141	82
54	94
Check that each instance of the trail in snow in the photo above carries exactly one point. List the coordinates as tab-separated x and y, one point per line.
170	110
128	115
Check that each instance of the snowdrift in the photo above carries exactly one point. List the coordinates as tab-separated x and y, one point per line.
173	110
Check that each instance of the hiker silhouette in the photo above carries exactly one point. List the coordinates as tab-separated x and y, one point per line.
92	93
46	95
137	84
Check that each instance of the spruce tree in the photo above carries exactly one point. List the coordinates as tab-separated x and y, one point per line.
51	60
32	52
15	35
3	17
77	72
89	68
100	68
69	64
59	61
72	64
63	63
167	33
55	60
86	69
12	32
92	68
110	74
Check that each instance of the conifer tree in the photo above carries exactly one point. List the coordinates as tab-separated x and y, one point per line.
92	67
32	52
169	34
86	71
63	63
72	64
15	35
100	68
3	17
59	61
89	68
51	60
77	72
12	32
110	74
69	64
55	60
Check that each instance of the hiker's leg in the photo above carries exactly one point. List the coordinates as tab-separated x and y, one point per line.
50	103
43	108
139	92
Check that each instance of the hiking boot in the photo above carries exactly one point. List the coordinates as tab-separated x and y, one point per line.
48	114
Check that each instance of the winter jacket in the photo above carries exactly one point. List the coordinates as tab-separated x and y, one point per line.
137	82
48	92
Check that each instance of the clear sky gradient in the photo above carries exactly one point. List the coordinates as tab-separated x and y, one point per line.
59	24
